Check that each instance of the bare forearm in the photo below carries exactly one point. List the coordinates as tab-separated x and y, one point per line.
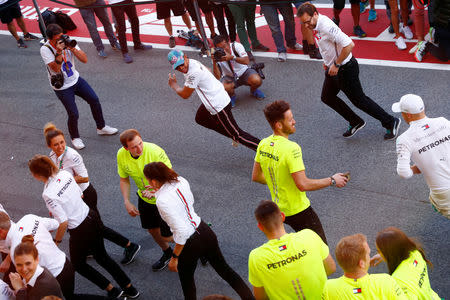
80	55
314	184
242	60
125	189
61	231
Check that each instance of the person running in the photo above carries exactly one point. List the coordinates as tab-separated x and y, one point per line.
62	197
131	159
215	111
279	165
342	73
289	264
353	255
193	237
70	160
406	262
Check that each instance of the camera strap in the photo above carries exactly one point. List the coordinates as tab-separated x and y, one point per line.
53	52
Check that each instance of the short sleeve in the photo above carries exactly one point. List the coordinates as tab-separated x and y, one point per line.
49	224
47	55
252	271
257	156
340	37
192	79
294	159
162	157
120	169
55	209
78	165
240	49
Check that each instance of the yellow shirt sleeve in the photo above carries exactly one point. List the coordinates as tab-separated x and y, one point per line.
294	159
120	169
162	156
252	271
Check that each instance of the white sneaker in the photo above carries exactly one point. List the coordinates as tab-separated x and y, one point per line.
282	57
413	49
297	47
107	130
400	43
407	32
78	144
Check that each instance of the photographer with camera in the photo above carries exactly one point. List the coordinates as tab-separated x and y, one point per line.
230	66
58	54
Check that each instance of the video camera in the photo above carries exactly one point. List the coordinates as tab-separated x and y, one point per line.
68	42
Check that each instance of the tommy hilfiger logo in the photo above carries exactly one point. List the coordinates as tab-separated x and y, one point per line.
357	291
425	127
21	229
58	181
415	263
282	248
272	143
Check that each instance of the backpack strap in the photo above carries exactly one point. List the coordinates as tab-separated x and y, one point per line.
234	49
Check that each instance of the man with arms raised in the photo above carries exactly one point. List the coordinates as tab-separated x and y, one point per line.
288	266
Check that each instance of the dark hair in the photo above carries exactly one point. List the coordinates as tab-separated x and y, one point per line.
219	39
350	250
160	172
50	132
27	247
5	221
52	30
274	111
268	214
396	246
43	166
127	136
307	8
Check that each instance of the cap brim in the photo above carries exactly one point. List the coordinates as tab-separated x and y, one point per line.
396	107
178	63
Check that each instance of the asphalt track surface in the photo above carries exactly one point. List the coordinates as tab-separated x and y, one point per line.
137	96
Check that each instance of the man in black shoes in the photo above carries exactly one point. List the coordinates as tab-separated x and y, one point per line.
342	73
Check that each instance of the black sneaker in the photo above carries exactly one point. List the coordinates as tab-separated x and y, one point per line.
115	293
162	262
172	42
21	44
129	253
393	132
130	292
352	130
29	37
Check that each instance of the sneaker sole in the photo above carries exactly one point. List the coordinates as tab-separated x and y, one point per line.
125	295
132	258
356	131
108	133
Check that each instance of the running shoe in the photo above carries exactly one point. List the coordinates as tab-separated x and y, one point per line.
115	293
400	43
172	42
352	130
393	132
78	143
21	44
407	32
372	15
29	37
260	48
127	58
102	53
363	6
421	51
142	47
107	130
357	30
233	100
130	292
116	46
430	35
258	94
282	57
413	49
129	253
162	262
297	47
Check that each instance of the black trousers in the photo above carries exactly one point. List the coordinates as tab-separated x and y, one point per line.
224	123
88	238
204	242
90	198
218	10
347	80
307	219
119	13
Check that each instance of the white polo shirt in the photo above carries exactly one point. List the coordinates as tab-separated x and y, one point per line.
71	75
210	90
3	247
6	293
50	256
72	162
427	143
331	40
62	195
175	205
238	68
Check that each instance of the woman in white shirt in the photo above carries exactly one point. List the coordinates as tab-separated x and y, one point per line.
193	237
67	158
62	197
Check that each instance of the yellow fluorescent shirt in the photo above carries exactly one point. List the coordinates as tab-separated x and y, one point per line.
412	275
127	166
369	287
290	267
279	158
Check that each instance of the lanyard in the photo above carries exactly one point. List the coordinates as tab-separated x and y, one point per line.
62	157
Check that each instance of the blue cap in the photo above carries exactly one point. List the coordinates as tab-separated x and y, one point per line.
176	58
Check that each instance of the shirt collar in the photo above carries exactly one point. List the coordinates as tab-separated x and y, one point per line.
39	271
319	22
418	121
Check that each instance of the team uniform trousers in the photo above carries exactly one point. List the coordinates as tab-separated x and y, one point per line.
306	219
223	122
203	242
347	80
87	238
90	198
119	13
67	97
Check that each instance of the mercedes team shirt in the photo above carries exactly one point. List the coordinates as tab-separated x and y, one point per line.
72	162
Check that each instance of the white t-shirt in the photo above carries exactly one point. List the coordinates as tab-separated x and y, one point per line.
3	247
72	162
210	90
62	195
238	68
6	293
71	75
50	256
427	143
331	40
175	204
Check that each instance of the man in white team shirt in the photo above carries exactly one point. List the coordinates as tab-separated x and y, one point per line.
427	143
215	111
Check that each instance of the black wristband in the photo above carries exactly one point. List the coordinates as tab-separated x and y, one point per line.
174	255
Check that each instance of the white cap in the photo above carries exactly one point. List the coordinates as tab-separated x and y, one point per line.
409	103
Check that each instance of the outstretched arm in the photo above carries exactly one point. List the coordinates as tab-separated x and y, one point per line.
184	92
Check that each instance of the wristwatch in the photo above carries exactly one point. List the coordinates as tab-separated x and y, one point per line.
337	65
333	182
174	255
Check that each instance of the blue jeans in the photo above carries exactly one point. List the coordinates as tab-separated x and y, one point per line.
271	14
67	96
102	15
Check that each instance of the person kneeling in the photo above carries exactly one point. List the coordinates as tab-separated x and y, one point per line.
230	66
